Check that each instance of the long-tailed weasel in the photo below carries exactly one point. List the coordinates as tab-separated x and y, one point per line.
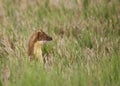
35	44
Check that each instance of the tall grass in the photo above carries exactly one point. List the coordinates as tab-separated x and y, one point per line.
86	42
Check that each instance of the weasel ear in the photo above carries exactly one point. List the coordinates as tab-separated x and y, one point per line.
40	30
38	35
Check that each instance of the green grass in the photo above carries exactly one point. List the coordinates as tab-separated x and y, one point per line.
85	50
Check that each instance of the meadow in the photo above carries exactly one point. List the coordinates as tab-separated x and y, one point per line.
85	50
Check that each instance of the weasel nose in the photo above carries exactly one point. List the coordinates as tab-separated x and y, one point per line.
49	38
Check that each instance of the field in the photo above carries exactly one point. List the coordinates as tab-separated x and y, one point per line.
85	50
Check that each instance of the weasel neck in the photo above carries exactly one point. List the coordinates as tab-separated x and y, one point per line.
38	51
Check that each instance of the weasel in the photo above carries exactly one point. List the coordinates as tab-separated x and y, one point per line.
35	45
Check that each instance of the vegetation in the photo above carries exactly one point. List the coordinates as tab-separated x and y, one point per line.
85	50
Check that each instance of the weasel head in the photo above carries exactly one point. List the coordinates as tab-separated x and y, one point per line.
42	36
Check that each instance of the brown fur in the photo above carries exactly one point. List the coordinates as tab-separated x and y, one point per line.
37	36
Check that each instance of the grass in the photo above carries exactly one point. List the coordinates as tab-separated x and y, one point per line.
86	42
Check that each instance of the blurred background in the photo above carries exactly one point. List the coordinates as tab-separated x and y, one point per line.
85	49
